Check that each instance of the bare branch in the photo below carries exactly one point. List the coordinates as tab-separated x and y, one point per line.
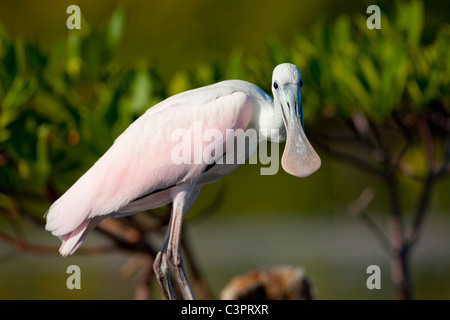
359	209
346	157
203	288
126	237
21	245
142	291
407	138
414	232
427	140
445	167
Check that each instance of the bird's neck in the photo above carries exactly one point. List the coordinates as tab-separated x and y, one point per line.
271	121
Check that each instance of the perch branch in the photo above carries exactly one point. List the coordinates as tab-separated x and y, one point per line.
22	245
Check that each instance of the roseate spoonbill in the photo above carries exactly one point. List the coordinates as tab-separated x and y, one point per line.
137	172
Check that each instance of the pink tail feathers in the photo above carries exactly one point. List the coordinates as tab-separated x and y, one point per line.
68	218
73	240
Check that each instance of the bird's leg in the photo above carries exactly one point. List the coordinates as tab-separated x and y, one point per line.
175	256
170	255
162	275
161	269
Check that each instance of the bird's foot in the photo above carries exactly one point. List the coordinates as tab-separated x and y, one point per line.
161	269
166	261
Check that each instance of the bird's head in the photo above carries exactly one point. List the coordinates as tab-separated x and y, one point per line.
299	157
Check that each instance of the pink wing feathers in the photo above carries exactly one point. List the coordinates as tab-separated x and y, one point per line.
139	162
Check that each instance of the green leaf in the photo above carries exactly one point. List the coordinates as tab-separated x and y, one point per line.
410	19
55	111
235	63
179	83
141	89
21	60
43	166
74	61
115	29
20	91
370	73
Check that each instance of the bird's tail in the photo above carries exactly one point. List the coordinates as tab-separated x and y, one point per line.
69	217
73	240
71	228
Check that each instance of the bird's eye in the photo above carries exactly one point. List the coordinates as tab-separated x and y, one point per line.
275	85
301	83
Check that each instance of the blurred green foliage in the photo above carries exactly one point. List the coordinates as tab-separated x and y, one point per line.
348	67
62	108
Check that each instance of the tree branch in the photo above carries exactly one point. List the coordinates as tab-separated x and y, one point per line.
407	138
422	206
346	157
22	245
359	209
201	284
